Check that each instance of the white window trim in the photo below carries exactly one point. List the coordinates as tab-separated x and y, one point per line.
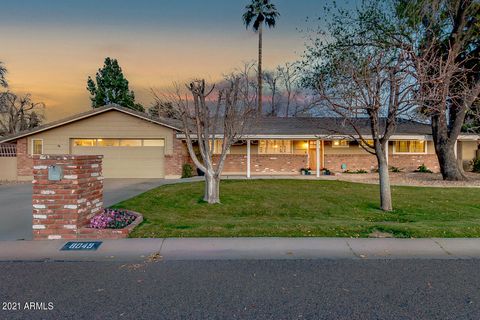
395	147
34	154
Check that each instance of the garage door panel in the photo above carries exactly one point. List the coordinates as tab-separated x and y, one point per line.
128	162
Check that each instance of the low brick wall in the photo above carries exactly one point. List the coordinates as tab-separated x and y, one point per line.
368	162
412	162
90	233
264	164
334	162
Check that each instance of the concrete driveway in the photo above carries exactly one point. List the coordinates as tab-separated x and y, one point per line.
16	203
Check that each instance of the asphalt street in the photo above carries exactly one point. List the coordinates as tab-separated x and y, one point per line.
243	289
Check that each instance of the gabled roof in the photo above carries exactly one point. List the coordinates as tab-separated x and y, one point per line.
170	123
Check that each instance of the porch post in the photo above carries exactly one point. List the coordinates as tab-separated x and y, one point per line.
322	162
455	149
248	158
317	156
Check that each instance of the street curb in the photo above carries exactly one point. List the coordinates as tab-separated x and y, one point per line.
246	249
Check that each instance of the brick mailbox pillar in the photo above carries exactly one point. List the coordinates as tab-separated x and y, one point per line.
67	192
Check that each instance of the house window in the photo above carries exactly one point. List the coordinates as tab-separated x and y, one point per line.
84	142
410	146
367	143
340	144
217	146
108	142
275	147
130	143
37	146
154	143
118	142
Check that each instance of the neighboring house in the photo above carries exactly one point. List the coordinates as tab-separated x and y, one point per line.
137	146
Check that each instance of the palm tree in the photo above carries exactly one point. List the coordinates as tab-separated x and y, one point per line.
3	72
260	12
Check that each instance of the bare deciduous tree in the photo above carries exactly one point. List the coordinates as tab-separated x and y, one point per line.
19	113
289	76
161	108
371	88
206	120
3	72
272	79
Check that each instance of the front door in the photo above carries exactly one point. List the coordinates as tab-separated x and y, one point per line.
312	154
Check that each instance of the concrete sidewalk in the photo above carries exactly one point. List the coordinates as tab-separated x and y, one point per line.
245	248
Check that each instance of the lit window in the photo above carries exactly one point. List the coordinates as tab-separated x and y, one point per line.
340	144
367	143
153	143
410	146
275	147
37	146
118	142
108	142
130	143
217	146
84	142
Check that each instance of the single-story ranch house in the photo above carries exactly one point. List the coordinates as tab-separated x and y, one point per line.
135	145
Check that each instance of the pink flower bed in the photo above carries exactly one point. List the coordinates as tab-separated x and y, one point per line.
112	219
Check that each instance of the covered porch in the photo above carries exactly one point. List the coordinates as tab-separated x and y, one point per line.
256	156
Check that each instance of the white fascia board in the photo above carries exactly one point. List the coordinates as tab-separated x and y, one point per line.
469	137
314	137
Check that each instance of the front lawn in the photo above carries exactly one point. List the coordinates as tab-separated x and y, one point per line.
299	208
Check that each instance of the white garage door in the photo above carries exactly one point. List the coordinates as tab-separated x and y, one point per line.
125	158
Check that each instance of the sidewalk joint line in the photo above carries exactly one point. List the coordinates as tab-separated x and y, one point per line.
441	247
161	246
351	249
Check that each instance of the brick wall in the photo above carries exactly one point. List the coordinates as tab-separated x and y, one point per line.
62	208
175	161
265	164
369	162
24	160
412	162
354	162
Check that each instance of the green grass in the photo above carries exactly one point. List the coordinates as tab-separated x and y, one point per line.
296	208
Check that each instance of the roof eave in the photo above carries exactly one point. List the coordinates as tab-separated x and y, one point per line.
81	117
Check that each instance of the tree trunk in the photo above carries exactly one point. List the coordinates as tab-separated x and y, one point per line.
260	91
447	160
385	192
212	188
445	150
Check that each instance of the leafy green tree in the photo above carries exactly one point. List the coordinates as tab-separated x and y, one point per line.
111	86
258	13
443	38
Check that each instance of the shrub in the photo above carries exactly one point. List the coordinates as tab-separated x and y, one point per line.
326	172
423	168
476	165
396	169
359	171
112	219
187	171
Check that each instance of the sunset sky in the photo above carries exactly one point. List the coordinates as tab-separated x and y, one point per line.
50	47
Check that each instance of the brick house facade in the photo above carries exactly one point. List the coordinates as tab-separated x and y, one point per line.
137	146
